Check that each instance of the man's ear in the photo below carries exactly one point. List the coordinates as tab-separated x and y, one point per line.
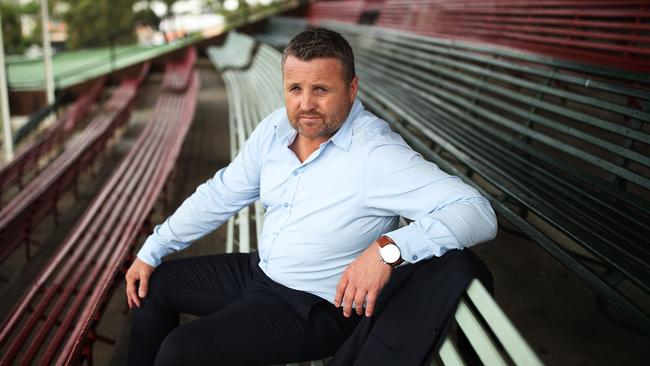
354	87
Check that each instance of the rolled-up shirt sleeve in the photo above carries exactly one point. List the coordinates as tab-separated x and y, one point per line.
231	189
446	212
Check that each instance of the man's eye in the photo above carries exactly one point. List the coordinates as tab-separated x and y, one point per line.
320	90
294	89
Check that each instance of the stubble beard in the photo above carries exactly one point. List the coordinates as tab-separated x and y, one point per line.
326	128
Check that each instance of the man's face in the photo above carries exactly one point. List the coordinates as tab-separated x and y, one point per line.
317	97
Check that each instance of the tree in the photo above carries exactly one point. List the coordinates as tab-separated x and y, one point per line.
14	41
147	17
169	4
93	23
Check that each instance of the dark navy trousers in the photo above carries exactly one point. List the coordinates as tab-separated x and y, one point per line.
247	319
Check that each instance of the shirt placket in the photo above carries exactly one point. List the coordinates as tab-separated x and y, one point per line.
288	199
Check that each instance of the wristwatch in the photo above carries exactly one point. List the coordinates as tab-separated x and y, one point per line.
389	252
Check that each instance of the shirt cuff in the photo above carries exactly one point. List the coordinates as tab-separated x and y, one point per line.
415	246
152	253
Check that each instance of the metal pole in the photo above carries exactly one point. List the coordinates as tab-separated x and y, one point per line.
4	105
111	42
47	54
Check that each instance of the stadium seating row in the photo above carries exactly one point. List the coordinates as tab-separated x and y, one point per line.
28	158
605	32
178	73
40	197
54	321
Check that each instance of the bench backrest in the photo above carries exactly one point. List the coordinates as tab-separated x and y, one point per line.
253	80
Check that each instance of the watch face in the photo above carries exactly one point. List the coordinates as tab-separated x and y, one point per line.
390	253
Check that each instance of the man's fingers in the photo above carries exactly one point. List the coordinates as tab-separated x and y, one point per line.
371	299
359	297
340	290
143	287
348	298
131	292
139	271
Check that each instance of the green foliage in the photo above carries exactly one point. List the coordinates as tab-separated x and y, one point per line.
94	23
31	8
14	42
146	17
169	4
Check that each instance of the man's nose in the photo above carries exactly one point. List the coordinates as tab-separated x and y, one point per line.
307	102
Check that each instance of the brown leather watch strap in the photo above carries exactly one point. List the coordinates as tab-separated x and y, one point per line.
383	241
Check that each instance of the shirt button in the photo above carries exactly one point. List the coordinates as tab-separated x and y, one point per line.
286	204
415	257
295	172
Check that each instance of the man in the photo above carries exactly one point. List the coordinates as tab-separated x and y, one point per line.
334	179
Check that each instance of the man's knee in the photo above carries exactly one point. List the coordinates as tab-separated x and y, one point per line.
171	350
463	261
157	287
183	346
176	349
458	265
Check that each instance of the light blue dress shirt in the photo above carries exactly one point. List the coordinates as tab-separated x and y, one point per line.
322	213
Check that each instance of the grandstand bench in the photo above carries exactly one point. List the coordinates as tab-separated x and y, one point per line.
560	148
54	321
253	82
479	317
40	197
29	156
604	32
179	72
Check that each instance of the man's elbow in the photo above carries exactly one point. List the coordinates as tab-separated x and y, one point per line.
493	224
475	221
488	221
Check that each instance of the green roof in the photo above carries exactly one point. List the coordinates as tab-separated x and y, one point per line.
74	67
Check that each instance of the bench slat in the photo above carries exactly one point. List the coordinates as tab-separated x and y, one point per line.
477	336
510	338
449	354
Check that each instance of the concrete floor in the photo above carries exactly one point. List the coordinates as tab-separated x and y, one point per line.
553	310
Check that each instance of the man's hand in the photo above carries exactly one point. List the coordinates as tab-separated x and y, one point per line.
139	271
362	281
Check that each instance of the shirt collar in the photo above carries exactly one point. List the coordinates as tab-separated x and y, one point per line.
342	138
